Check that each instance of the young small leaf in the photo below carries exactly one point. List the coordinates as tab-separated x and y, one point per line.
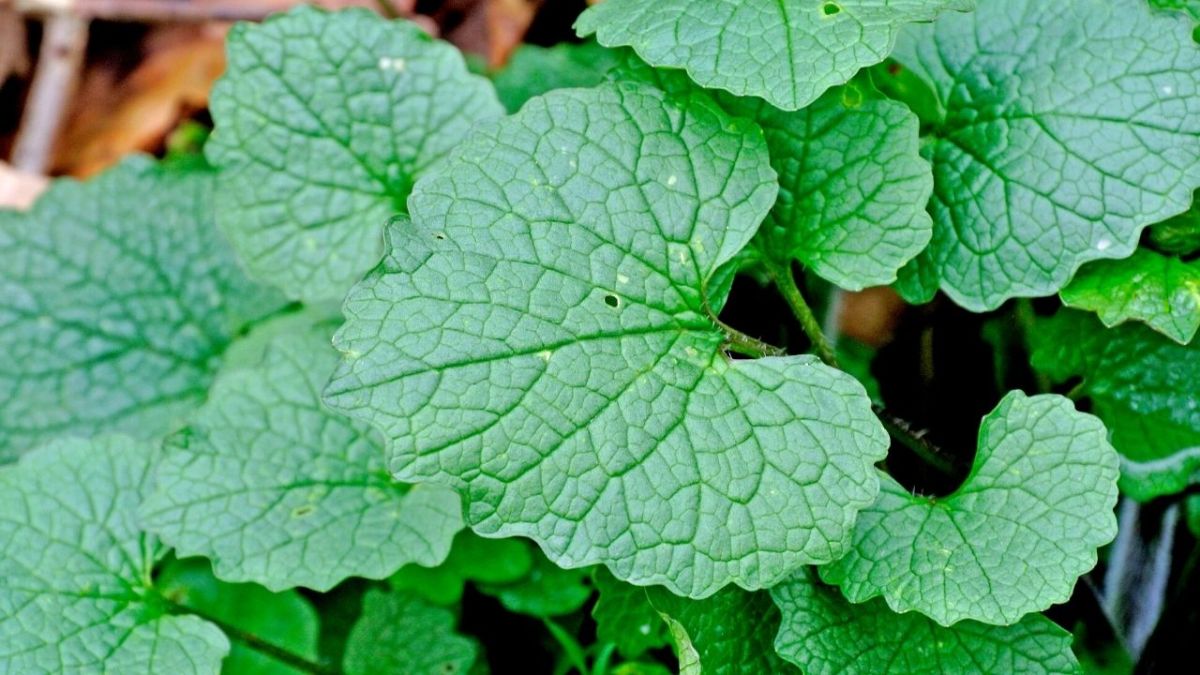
533	70
726	634
1140	383
1011	540
547	590
285	620
541	337
826	635
76	595
472	558
1160	291
323	122
786	52
1069	126
279	490
400	633
625	617
117	299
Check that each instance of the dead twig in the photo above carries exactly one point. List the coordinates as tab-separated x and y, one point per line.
63	44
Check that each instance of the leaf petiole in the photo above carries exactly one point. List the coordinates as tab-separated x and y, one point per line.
781	275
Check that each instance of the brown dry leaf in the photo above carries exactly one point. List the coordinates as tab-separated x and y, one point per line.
18	189
871	315
507	23
14	50
137	113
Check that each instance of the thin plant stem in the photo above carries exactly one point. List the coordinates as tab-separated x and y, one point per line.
786	283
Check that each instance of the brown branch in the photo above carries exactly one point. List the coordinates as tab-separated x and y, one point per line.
64	41
162	11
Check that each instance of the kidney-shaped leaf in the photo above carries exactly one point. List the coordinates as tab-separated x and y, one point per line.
826	635
118	299
785	51
1066	128
540	338
277	489
75	569
322	124
1011	540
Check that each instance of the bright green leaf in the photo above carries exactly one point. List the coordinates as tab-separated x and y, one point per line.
625	617
852	183
1189	7
548	590
285	620
117	298
1140	383
75	589
785	51
472	558
727	634
533	70
824	634
1069	127
1011	540
1160	291
278	490
1148	480
323	122
540	338
400	633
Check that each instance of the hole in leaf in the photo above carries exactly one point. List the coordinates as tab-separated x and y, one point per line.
830	8
440	236
612	300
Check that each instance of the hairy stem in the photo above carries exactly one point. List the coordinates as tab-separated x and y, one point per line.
786	283
902	430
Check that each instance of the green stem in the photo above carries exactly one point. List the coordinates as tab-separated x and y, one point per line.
786	283
258	644
739	342
571	647
1026	319
901	430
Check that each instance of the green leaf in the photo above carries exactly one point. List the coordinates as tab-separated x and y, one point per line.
400	633
1189	7
786	52
323	122
824	634
533	70
1148	480
727	634
570	379
1140	383
1179	235
1162	292
472	558
285	620
76	595
547	590
852	183
625	617
117	298
281	491
1011	540
1069	126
